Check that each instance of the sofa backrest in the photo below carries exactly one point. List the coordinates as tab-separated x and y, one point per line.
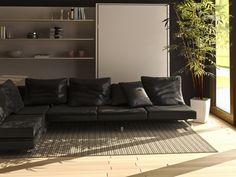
21	89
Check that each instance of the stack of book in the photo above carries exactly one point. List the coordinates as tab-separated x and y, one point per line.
79	13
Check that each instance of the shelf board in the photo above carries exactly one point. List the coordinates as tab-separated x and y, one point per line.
49	39
50	58
45	20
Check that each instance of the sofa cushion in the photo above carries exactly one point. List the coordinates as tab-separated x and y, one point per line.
91	92
117	96
173	112
3	111
45	91
163	90
135	94
69	113
21	126
13	100
115	113
33	110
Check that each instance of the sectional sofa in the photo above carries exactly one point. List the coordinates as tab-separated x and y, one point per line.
26	111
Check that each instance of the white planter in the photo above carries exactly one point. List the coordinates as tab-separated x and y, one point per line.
202	107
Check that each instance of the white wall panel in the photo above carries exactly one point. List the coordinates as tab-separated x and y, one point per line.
130	41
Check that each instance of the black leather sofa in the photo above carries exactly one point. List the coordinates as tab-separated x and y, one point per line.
48	101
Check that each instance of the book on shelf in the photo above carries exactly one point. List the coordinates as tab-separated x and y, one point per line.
80	13
83	14
76	13
42	56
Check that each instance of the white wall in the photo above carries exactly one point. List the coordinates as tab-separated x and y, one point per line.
130	41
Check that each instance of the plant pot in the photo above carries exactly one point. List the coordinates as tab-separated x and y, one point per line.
202	107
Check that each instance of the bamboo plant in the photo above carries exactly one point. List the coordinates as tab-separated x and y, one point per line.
197	28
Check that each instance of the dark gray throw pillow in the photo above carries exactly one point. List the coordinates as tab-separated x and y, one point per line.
89	92
3	111
135	94
163	90
13	100
45	91
117	95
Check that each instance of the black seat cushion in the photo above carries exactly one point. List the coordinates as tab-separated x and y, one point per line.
91	92
13	100
71	113
163	90
117	96
135	94
116	113
33	110
45	91
21	126
173	112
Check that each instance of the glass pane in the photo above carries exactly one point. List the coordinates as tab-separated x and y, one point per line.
223	61
223	89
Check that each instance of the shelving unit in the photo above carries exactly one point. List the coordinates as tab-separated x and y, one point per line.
50	58
41	20
77	35
48	39
46	20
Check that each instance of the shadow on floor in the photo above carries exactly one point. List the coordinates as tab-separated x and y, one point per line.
10	165
190	166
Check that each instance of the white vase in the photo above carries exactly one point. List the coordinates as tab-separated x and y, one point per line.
202	107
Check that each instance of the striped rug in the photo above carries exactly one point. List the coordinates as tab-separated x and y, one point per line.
114	138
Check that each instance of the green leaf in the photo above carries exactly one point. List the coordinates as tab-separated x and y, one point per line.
198	24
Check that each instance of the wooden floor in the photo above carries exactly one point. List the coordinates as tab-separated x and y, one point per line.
222	164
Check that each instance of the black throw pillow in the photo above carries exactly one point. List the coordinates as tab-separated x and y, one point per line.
13	100
3	111
135	94
45	91
163	90
117	95
90	92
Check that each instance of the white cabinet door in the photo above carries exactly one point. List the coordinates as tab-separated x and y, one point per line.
131	40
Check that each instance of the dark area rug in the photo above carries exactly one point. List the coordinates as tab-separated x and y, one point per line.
107	138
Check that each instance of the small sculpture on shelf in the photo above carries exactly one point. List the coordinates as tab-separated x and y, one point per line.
15	53
71	53
3	32
81	53
32	35
72	13
56	32
62	14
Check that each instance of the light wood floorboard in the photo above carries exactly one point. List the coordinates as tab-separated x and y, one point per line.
219	134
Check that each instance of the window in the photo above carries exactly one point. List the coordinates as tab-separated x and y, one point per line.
222	85
223	62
